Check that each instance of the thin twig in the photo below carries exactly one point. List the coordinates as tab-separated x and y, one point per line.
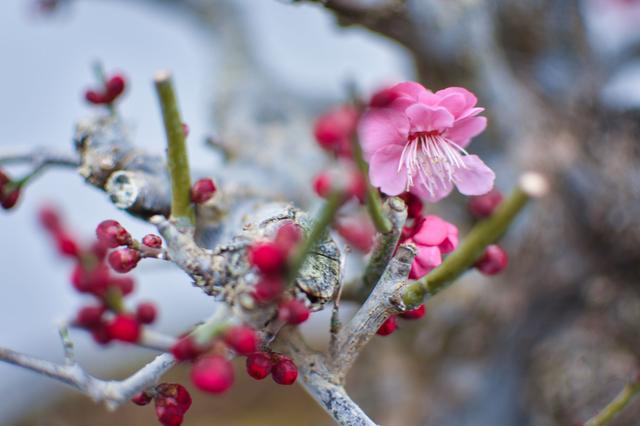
626	395
177	157
384	247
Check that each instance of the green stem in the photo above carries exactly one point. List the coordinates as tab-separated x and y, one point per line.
374	203
177	158
616	406
318	229
483	234
101	76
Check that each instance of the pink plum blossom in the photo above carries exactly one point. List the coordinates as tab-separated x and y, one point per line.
433	237
415	141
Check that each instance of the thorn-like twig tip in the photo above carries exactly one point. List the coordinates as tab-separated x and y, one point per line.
162	75
534	184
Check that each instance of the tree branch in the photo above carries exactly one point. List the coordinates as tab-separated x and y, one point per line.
384	300
321	383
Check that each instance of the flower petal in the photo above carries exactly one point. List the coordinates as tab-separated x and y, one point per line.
476	178
380	127
463	130
470	99
442	189
411	89
451	242
427	259
383	170
425	118
455	103
433	231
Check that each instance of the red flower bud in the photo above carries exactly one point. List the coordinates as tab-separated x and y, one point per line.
49	219
288	236
93	280
388	327
416	313
124	260
493	260
8	201
284	371
259	365
114	87
124	284
95	97
383	98
185	129
414	205
146	313
242	339
333	130
268	289
484	205
152	240
112	234
172	402
293	312
203	190
90	316
186	349
212	374
125	328
141	398
267	257
101	334
66	245
357	230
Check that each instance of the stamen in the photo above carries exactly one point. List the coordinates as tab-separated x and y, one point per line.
433	158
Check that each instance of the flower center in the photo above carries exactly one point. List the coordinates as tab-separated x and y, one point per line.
432	158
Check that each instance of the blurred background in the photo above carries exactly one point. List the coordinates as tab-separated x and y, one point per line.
548	344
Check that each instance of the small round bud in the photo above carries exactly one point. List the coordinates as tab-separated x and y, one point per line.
152	240
268	289
50	219
334	129
126	285
141	398
414	205
67	245
114	87
284	371
112	234
212	374
146	313
242	339
90	316
101	334
125	328
288	236
413	314
493	260
123	260
95	97
186	349
8	201
172	401
267	257
94	280
388	327
484	205
259	365
293	312
203	190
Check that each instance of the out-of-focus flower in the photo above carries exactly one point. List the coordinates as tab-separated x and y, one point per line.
334	129
416	142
